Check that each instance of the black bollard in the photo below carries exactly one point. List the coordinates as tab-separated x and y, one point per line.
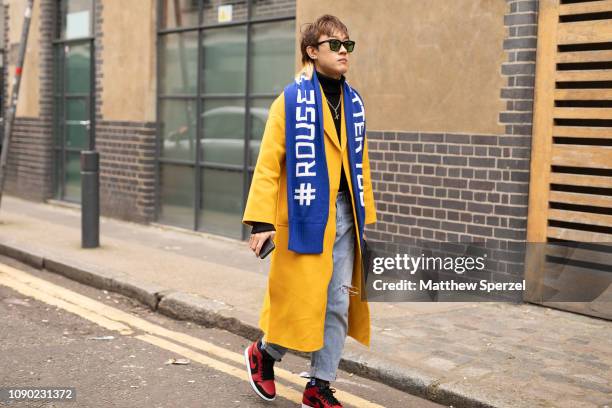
90	199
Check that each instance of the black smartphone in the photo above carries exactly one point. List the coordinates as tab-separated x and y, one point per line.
266	248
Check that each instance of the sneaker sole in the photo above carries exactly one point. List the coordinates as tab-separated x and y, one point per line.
248	367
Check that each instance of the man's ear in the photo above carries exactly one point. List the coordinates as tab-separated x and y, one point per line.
312	52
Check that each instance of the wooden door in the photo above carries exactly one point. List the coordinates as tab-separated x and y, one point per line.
570	199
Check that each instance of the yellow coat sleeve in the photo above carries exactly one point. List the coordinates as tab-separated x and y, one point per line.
263	193
368	192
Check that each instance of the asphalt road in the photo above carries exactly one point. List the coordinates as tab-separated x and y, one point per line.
117	353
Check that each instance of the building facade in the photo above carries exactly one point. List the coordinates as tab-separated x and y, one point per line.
161	88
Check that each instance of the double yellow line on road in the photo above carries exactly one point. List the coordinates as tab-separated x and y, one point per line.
125	324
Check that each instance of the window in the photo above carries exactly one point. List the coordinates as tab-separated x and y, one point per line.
73	94
217	60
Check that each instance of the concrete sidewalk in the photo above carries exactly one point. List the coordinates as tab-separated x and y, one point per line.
460	354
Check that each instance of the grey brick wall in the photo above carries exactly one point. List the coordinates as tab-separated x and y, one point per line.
454	187
30	162
127	169
29	157
519	69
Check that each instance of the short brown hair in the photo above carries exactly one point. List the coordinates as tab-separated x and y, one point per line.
324	25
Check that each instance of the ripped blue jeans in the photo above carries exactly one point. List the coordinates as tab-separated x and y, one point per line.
324	362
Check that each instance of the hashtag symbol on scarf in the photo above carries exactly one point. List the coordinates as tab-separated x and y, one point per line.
305	193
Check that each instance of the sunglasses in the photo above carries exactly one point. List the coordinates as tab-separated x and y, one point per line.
334	44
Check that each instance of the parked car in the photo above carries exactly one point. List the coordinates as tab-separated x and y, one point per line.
221	138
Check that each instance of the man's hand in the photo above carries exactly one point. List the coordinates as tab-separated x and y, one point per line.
256	241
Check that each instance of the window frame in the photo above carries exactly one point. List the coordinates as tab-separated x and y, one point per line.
247	96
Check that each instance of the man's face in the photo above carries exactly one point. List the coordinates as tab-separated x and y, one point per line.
331	63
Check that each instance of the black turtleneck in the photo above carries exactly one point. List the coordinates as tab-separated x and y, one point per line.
333	90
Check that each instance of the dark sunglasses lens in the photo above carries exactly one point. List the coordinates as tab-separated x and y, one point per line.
334	45
349	45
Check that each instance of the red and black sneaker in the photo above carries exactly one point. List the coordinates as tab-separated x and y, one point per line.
319	394
260	368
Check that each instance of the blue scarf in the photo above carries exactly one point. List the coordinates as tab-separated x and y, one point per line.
307	177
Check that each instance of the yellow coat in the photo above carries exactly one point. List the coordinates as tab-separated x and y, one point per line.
293	313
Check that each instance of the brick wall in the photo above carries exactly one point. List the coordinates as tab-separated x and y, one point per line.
127	153
127	169
29	157
520	48
30	161
464	187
